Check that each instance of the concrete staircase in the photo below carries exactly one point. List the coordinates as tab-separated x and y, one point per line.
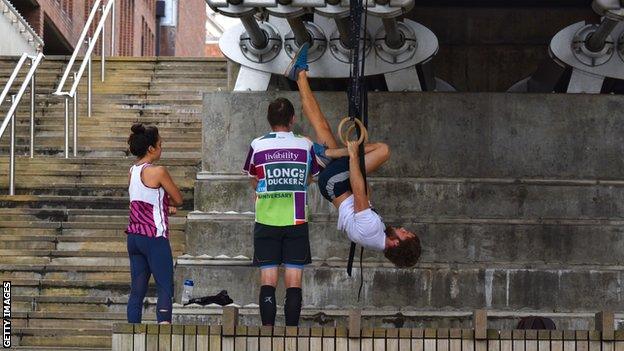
516	199
63	245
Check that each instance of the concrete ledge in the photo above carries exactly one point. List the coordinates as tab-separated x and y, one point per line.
387	318
444	240
437	286
456	197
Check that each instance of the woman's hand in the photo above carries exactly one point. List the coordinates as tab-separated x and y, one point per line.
172	210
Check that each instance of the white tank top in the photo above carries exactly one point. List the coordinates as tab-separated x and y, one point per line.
148	207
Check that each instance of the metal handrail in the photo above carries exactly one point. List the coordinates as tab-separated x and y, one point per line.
35	37
86	62
15	100
81	40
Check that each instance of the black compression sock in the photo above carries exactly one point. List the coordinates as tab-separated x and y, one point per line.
292	307
268	309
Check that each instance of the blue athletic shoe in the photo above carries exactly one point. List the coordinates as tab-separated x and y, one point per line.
321	158
298	63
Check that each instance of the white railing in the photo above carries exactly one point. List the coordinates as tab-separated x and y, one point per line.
16	18
100	32
15	100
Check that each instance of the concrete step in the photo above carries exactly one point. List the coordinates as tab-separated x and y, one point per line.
456	197
88	164
388	317
443	239
91	244
52	287
119	224
88	129
87	192
76	304
27	182
513	286
103	320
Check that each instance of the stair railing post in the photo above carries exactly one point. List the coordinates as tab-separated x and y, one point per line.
67	126
75	148
32	113
103	39
89	80
12	152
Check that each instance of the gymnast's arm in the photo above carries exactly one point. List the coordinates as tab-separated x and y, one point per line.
356	179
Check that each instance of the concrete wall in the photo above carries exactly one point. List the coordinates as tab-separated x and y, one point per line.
515	197
12	42
448	135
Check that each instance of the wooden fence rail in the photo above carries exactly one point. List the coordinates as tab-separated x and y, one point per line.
232	337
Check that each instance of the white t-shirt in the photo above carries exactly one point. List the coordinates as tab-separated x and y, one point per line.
364	228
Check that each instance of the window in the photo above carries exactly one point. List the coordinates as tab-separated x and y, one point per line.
68	7
147	39
126	28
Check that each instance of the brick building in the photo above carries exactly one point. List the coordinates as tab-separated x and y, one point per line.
60	22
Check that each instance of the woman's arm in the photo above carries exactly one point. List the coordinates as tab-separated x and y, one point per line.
165	180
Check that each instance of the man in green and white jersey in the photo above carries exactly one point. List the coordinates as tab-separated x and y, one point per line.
280	165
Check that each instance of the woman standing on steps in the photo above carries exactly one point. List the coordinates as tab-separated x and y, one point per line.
153	195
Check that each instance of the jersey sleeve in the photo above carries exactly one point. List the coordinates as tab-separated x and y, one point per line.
315	169
249	168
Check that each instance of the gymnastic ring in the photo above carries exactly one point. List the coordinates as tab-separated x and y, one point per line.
351	129
344	136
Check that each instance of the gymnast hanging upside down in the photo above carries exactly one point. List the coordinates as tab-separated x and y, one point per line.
342	183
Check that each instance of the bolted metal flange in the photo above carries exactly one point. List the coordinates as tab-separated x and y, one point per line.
609	8
343	53
333	10
620	46
398	55
317	46
390	9
265	54
586	56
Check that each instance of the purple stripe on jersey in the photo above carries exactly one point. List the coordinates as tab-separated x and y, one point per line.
248	167
300	203
280	155
141	219
315	169
143	213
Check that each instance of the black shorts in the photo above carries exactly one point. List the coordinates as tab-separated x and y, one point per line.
334	179
289	245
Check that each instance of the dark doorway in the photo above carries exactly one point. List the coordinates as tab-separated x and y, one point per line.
55	44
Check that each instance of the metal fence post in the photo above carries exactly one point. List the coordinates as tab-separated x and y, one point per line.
67	126
112	48
75	148
89	81
103	39
12	152
32	115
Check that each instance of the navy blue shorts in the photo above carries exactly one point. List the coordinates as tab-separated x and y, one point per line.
289	245
334	179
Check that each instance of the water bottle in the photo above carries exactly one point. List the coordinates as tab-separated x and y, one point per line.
188	291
